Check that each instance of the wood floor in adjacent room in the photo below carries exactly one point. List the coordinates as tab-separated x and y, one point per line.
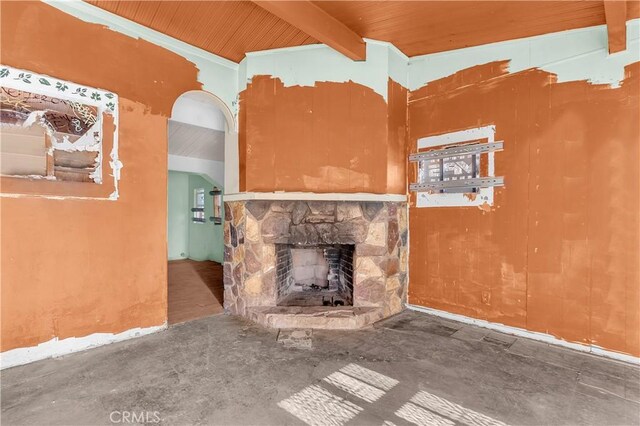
195	290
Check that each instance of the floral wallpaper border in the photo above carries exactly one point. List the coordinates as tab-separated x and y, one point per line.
25	80
105	101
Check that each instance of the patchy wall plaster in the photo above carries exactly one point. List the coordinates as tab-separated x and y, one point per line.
331	137
148	108
555	253
310	64
77	267
572	55
217	74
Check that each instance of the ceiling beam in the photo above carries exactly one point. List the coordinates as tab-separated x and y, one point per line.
616	14
314	21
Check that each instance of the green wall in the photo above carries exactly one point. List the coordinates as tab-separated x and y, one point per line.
178	209
197	241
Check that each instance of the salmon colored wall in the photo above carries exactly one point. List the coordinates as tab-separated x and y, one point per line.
75	267
558	252
397	133
332	137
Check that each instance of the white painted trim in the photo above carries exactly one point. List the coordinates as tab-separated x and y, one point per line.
533	335
424	199
55	347
408	245
311	196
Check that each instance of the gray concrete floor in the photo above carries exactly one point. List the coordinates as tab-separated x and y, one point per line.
224	370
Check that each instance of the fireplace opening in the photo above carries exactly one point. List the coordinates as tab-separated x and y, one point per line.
320	275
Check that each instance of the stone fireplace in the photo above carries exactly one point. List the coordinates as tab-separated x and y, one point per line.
315	264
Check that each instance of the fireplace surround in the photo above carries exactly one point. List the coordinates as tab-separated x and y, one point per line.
315	264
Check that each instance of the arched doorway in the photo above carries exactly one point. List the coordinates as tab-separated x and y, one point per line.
198	132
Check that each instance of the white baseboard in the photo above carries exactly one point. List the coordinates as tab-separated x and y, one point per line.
542	337
55	347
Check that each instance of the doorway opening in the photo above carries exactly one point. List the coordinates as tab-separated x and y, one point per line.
197	132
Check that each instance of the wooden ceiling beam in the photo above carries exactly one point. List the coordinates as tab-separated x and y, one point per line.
616	15
314	21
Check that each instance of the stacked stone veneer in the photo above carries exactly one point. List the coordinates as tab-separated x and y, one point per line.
377	229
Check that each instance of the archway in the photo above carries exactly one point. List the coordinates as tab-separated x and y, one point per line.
200	128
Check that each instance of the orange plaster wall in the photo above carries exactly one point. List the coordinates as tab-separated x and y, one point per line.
558	252
332	137
397	133
76	267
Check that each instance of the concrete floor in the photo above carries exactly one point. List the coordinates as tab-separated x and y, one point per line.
224	370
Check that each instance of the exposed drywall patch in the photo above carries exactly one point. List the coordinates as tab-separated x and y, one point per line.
55	347
572	55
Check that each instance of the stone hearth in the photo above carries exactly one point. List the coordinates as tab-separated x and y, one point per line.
256	231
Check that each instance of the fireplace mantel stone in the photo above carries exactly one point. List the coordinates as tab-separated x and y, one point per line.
315	196
377	229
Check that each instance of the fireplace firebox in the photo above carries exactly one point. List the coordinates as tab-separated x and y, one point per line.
319	275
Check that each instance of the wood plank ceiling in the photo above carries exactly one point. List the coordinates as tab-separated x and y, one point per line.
226	28
421	27
232	28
